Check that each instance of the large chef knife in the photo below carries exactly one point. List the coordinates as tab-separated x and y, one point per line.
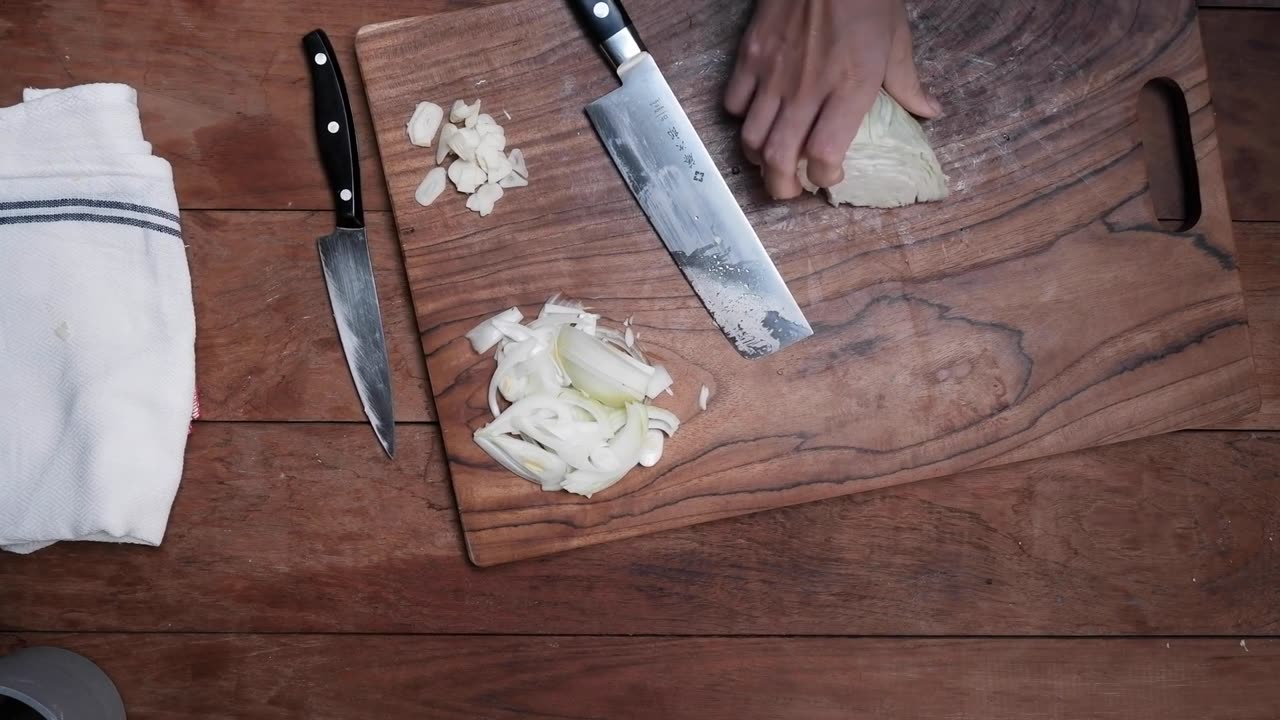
344	254
675	181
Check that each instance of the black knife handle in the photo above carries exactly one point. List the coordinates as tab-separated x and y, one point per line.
609	26
335	135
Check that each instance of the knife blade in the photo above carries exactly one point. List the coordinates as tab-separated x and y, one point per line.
344	253
669	171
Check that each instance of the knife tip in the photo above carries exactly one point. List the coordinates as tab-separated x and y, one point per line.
388	446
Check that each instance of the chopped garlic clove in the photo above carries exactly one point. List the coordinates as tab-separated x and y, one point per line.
703	396
461	111
513	181
485	119
493	139
466	176
425	122
484	199
447	131
432	185
517	163
494	163
464	142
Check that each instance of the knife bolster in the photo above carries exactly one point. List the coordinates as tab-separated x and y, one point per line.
622	46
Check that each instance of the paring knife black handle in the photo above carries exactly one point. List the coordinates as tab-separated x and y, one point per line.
334	131
609	26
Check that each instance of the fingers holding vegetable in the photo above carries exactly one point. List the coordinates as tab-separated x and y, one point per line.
807	73
902	78
833	133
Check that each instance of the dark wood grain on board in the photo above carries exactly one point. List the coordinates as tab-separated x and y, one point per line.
267	347
286	364
340	677
223	87
1038	310
306	527
1242	47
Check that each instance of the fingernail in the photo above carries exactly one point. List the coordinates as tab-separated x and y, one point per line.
935	105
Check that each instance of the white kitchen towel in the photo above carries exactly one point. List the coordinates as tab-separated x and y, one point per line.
97	331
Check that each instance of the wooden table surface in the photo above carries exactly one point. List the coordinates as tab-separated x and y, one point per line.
304	576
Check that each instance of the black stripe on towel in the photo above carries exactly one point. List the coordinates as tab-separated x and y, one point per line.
88	217
86	202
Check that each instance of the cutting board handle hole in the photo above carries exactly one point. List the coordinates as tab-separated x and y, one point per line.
1169	149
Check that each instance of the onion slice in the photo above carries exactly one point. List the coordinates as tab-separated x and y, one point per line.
603	373
651	450
525	459
576	415
660	381
485	335
625	448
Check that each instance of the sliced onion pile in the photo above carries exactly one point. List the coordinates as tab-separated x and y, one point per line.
577	416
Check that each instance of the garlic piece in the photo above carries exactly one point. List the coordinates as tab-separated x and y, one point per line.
703	396
513	181
466	176
492	136
425	122
431	187
485	119
447	131
461	111
484	198
517	163
464	142
494	163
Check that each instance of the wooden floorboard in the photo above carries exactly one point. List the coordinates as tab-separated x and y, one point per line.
224	91
1238	3
1258	247
1241	48
164	677
306	527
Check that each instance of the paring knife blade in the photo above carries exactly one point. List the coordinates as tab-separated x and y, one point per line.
668	169
344	254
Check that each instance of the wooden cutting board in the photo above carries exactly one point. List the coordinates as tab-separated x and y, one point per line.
1039	310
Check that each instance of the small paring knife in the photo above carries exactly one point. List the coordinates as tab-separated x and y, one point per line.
663	161
344	253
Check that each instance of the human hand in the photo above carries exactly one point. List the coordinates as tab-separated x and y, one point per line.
808	72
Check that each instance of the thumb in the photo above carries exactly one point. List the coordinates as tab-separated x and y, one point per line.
902	81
